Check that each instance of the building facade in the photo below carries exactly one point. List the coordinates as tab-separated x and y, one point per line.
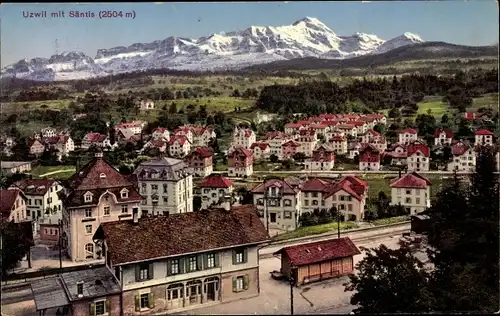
215	189
240	163
407	136
483	137
323	158
369	158
243	137
412	191
179	146
200	162
418	156
463	157
13	206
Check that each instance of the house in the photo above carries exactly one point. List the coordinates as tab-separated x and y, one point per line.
13	206
348	129
289	149
42	199
261	150
470	116
361	127
64	144
347	195
161	145
407	136
172	273
321	128
93	291
412	191
146	105
126	135
366	138
95	194
179	146
202	135
463	157
292	128
307	140
442	137
369	158
134	127
36	146
96	139
339	144
316	261
200	162
166	185
48	132
243	137
275	140
12	167
215	189
278	203
161	133
379	142
483	137
417	156
323	158
49	232
240	163
354	149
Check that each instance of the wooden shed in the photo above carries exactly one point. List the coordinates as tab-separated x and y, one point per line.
318	260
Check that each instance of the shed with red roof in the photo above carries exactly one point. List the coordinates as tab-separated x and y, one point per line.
319	260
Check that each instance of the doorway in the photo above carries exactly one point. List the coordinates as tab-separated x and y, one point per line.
211	291
273	217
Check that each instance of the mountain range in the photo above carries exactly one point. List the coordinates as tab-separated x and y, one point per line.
255	45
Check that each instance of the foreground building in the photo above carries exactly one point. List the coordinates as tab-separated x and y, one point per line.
97	193
166	184
172	273
463	157
318	261
412	191
13	206
418	156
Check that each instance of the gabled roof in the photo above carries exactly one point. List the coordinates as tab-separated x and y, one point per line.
483	132
34	186
165	236
291	143
411	180
95	137
315	185
373	132
203	152
181	139
459	148
261	145
160	130
239	151
417	146
216	181
7	200
408	131
320	251
284	187
350	184
439	131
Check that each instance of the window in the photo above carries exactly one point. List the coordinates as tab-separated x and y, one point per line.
206	191
49	200
88	212
417	201
408	191
165	199
165	188
239	256
100	308
240	283
87	197
287	214
211	260
174	266
106	210
408	200
88	229
145	300
29	202
143	272
193	264
154	187
143	188
306	203
124	209
124	194
349	207
315	202
89	251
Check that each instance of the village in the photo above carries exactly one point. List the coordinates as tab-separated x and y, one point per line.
121	222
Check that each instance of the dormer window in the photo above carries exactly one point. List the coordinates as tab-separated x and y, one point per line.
124	193
102	175
88	197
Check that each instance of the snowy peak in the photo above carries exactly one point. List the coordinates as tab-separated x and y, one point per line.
307	37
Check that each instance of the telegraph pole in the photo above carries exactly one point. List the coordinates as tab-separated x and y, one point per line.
266	208
292	279
338	224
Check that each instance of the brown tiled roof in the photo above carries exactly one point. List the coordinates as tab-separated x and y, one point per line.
304	254
315	185
34	186
438	132
285	187
203	152
411	180
483	132
215	181
7	199
459	148
239	152
160	237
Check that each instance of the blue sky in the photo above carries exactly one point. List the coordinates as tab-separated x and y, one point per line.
469	23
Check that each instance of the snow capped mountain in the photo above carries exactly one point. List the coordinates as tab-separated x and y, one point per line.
308	37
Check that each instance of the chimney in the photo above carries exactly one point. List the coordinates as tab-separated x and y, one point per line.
79	289
135	215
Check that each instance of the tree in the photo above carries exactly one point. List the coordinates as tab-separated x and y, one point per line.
13	247
299	156
389	281
196	203
273	158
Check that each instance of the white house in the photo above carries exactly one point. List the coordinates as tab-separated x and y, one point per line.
407	136
179	146
464	158
442	137
161	133
243	137
412	191
483	137
215	189
418	156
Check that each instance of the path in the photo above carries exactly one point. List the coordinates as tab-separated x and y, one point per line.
56	172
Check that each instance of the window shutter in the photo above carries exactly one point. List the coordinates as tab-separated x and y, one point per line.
169	267
199	262
216	259
182	265
235	286
150	271
151	300
245	255
92	309
137	303
205	261
107	307
245	281
234	256
137	273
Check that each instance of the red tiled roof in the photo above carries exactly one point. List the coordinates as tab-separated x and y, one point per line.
293	125
95	137
395	154
284	187
160	130
459	149
357	123
261	145
55	139
34	186
345	126
291	143
241	152
216	181
438	132
470	115
337	138
160	237
157	143
416	146
411	180
7	200
373	132
307	132
408	131
369	154
315	185
203	152
325	250
483	132
322	125
181	139
350	184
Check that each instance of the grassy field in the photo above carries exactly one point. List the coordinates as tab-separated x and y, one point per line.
41	170
377	183
17	107
315	230
390	220
487	100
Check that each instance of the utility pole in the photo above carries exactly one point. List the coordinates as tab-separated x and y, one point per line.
292	279
60	247
266	208
338	224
